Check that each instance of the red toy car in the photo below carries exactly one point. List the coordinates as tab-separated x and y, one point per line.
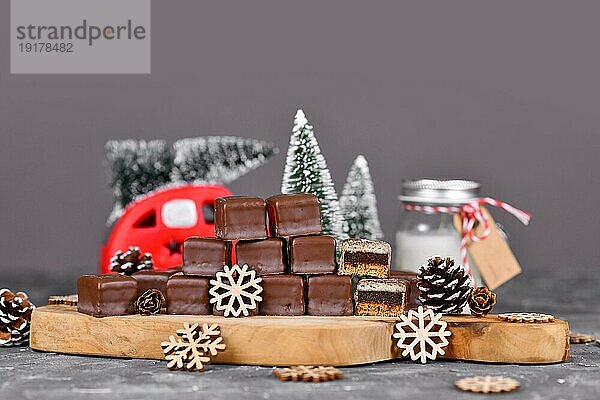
160	222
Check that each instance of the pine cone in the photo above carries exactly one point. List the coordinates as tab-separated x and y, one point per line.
131	261
481	301
15	316
150	302
444	286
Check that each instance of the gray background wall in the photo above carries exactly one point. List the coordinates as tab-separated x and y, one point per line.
505	92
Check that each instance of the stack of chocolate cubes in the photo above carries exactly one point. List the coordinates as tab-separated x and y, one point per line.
279	238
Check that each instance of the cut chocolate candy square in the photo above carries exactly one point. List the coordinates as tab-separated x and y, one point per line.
294	214
282	295
413	290
152	279
106	295
265	256
364	257
329	295
204	256
312	254
381	297
188	295
240	218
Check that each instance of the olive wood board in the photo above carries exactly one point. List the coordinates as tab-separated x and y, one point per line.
308	340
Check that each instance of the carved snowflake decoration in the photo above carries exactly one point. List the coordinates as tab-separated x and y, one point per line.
425	339
236	290
576	337
308	373
194	347
487	384
526	317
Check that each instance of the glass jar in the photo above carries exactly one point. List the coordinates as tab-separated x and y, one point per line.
425	233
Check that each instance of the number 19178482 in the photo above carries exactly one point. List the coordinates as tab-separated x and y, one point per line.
45	47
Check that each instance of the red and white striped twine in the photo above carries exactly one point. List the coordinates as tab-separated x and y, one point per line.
472	215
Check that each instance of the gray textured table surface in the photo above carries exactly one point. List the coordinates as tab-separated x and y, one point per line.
25	374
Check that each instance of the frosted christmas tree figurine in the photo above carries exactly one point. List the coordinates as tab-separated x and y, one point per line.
220	159
137	167
306	172
358	203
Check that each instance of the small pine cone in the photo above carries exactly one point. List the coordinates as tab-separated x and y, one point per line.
444	285
131	261
150	302
15	318
481	301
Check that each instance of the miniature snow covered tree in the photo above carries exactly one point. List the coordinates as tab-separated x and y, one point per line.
137	167
218	159
358	203
306	172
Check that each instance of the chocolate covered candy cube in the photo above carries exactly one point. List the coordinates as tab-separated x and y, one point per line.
240	218
282	295
329	295
188	295
265	256
364	257
106	295
204	256
294	214
152	279
413	289
312	254
381	297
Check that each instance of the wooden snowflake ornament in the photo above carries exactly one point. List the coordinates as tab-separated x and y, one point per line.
487	384
422	334
526	317
235	290
194	347
322	374
576	338
308	373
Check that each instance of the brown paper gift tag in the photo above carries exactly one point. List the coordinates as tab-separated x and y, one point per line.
492	256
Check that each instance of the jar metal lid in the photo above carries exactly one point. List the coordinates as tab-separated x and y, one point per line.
444	192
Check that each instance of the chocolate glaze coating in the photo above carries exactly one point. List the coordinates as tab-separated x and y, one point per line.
282	295
294	214
413	290
188	295
106	295
329	295
312	254
152	279
265	256
240	218
204	256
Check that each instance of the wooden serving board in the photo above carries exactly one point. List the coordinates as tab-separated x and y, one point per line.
279	341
